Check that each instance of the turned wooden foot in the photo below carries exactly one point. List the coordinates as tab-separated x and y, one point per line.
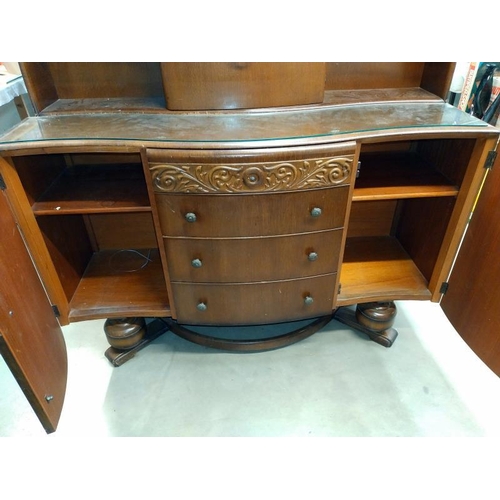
127	336
375	319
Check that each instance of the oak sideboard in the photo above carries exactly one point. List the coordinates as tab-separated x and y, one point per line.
169	195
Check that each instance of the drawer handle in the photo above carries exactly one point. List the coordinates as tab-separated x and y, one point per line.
308	300
190	217
312	256
201	306
316	212
196	263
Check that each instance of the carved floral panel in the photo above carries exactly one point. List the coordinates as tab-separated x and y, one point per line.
275	176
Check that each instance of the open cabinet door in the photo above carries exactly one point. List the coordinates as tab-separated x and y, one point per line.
31	339
472	301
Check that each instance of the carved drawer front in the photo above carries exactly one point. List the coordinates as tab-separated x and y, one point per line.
253	259
254	303
250	171
252	215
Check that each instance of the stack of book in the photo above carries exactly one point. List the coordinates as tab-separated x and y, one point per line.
480	94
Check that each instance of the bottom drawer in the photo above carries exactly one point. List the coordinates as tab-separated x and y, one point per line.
254	303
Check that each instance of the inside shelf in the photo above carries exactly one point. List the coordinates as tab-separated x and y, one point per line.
399	176
372	96
121	283
95	189
378	268
158	104
114	104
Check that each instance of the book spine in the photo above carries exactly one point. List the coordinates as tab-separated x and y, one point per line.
496	86
468	84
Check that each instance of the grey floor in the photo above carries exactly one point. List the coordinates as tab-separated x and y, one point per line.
335	383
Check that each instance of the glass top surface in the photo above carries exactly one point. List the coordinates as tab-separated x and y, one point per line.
239	126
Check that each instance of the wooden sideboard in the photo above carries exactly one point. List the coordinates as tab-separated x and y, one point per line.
273	192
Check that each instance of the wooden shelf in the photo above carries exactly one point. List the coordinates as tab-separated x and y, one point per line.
94	189
115	285
158	104
377	269
374	96
397	176
106	105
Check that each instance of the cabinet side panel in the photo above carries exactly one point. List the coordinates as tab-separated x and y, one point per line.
23	213
437	77
69	246
37	173
462	210
421	229
39	83
449	156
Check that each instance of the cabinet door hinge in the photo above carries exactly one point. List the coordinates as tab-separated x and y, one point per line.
2	183
444	287
56	311
340	287
490	159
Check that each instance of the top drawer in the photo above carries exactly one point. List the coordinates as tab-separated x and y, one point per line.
252	215
250	171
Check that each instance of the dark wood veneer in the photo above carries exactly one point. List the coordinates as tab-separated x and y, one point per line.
472	300
31	341
254	303
264	215
120	194
253	259
115	284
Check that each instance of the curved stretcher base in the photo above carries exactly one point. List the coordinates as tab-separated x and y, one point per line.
250	345
158	326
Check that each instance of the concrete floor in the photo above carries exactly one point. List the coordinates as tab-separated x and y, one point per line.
335	383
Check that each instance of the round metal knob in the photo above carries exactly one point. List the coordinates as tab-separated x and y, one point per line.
201	306
308	300
316	212
190	217
196	263
312	256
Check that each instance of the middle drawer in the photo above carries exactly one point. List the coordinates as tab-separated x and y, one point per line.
230	260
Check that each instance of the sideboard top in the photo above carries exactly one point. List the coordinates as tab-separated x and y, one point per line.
246	129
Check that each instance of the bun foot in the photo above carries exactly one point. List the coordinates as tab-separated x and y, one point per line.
127	336
124	333
376	316
374	319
